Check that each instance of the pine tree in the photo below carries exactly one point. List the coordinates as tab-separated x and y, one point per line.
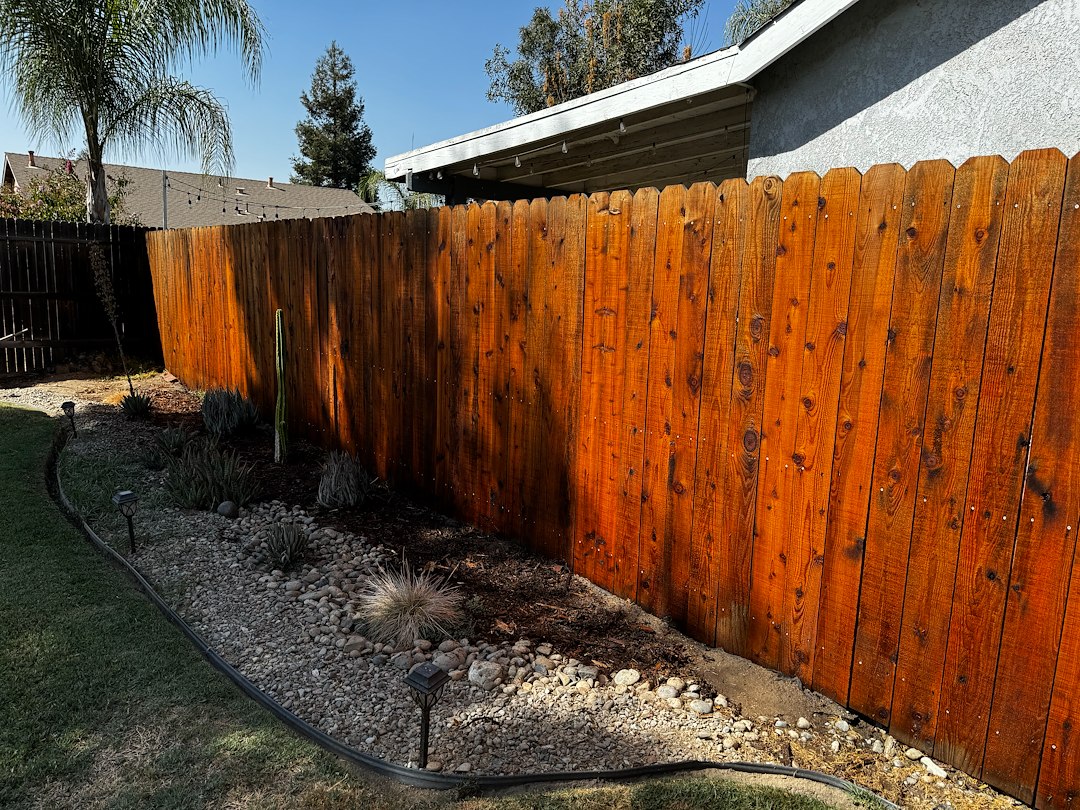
335	143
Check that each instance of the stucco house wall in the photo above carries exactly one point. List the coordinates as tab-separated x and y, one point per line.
908	80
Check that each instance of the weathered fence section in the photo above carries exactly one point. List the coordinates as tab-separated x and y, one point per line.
830	424
49	308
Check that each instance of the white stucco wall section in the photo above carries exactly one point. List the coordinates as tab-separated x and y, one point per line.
908	80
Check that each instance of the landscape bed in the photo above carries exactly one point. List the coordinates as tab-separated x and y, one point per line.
579	680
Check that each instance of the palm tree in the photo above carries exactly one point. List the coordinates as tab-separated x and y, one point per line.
374	188
107	67
749	16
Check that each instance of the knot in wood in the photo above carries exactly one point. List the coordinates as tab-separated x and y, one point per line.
757	327
746	374
750	441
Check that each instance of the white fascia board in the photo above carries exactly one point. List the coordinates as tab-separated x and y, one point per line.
711	72
668	85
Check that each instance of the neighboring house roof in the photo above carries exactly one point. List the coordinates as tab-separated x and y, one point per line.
690	121
195	200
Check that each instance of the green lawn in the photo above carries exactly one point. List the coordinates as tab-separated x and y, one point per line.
104	704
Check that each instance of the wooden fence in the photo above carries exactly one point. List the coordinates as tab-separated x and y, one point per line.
829	424
49	308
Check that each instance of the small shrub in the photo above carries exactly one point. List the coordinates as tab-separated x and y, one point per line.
226	413
135	406
173	440
203	476
342	481
167	444
286	544
401	606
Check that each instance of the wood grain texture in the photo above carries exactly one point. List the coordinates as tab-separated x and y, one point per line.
718	366
822	361
769	631
602	466
1035	641
1003	440
962	317
463	333
740	475
516	280
677	335
488	443
643	224
869	304
440	252
919	263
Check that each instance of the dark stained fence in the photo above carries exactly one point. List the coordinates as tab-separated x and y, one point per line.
49	308
829	424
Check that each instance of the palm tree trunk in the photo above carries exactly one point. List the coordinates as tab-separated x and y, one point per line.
97	196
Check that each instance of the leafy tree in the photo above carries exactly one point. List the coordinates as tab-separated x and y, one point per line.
106	66
60	196
749	16
334	140
589	46
387	195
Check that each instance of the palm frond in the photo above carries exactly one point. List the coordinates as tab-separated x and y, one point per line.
750	16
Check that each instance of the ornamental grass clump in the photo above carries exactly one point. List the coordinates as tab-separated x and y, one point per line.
203	476
226	413
401	606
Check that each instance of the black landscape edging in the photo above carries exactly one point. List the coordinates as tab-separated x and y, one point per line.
408	776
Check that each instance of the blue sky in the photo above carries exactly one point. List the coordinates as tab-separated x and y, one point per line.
419	67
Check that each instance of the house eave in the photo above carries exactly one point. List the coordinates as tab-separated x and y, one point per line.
711	83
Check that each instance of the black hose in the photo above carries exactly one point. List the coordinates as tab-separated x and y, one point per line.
408	776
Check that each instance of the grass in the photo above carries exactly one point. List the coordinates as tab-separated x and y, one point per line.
105	705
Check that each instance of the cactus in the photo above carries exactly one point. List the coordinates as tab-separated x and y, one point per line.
281	446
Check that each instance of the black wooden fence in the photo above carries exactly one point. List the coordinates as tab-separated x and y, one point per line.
49	307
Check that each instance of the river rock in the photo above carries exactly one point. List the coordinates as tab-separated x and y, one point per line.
486	674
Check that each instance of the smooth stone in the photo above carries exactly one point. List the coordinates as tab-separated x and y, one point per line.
701	706
486	674
434	765
843	726
803	723
933	768
914	754
678	684
667	691
228	509
358	643
446	662
627	677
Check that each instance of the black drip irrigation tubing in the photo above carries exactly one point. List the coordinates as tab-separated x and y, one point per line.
409	776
